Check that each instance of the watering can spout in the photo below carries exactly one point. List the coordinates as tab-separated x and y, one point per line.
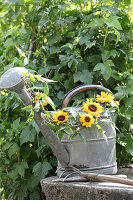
13	79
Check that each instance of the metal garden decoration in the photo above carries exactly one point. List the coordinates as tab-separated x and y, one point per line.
82	136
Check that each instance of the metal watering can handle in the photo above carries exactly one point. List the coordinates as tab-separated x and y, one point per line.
79	89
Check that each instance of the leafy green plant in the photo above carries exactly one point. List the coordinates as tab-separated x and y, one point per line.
72	42
25	156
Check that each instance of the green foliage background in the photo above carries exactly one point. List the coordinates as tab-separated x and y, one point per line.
73	42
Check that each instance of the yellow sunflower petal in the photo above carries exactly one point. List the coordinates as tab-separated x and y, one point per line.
36	100
45	103
104	97
117	103
92	108
45	100
60	117
86	120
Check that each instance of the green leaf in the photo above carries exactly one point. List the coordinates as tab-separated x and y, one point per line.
28	108
13	175
60	95
98	127
129	143
84	39
100	131
129	111
107	54
131	56
9	42
31	116
21	195
104	136
43	21
64	59
96	22
85	76
54	49
69	131
46	89
123	90
31	182
37	1
27	135
22	29
33	123
13	149
99	66
118	35
32	78
67	45
71	63
60	134
16	123
20	168
44	80
89	44
82	138
51	103
127	2
108	71
54	38
112	22
6	146
128	101
40	170
105	68
35	195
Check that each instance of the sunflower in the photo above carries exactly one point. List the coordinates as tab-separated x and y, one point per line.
117	103
36	100
86	120
104	97
45	99
60	117
92	108
41	96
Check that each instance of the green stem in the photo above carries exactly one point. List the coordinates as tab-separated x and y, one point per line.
106	35
38	143
18	157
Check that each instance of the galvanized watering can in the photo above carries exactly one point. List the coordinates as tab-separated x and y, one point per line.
97	155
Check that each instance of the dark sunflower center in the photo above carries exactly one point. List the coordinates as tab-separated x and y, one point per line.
87	119
92	108
61	117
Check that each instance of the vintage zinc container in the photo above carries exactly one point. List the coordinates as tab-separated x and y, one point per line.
97	155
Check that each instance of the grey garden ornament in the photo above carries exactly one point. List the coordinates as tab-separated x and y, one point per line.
96	155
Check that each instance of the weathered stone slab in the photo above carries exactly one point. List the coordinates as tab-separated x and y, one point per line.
85	190
127	170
